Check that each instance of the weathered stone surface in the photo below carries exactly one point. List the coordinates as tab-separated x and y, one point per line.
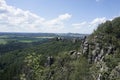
110	50
85	48
101	55
50	60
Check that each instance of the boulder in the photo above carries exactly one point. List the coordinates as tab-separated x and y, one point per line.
73	52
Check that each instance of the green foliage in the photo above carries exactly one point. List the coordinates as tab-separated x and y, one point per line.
31	69
63	68
116	27
12	64
110	30
112	60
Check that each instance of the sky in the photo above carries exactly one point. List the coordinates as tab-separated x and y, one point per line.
56	16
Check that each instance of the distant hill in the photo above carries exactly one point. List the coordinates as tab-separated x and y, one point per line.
72	35
41	34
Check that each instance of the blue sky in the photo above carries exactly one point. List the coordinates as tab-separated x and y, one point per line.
56	16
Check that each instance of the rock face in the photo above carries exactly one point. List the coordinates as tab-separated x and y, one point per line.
96	51
59	38
110	49
50	60
85	46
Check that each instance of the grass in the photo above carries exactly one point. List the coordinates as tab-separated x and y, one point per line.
45	37
4	36
26	41
3	41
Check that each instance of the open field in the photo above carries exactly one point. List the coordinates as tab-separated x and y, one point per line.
3	41
45	37
24	37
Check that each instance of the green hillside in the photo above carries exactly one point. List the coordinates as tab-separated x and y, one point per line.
106	42
12	62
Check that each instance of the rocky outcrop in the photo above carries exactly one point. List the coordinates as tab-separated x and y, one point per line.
95	50
50	60
74	54
85	46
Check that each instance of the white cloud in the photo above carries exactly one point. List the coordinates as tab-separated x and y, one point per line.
88	27
79	24
97	0
98	21
64	17
57	24
15	19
